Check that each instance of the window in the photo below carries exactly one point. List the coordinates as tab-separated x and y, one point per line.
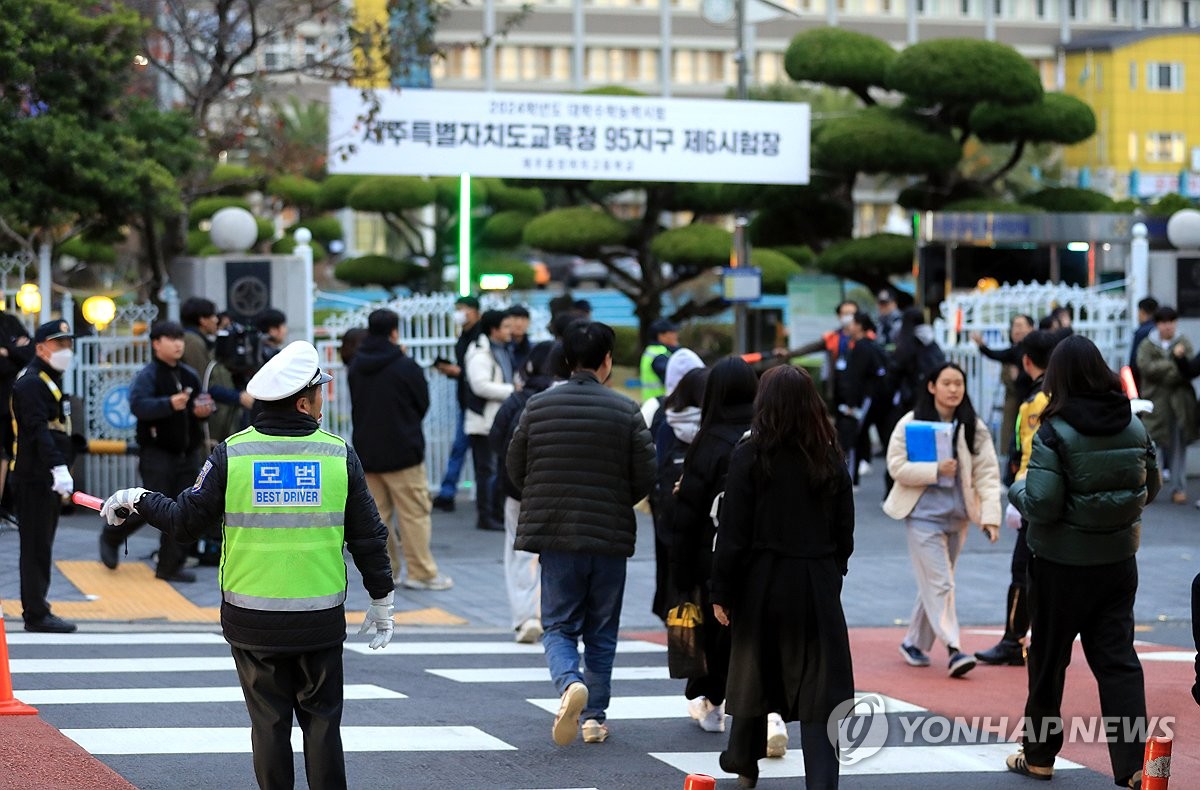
998	8
310	50
270	60
1114	10
964	7
1039	8
1164	147
1187	13
1133	72
1133	146
1164	76
1149	10
1077	9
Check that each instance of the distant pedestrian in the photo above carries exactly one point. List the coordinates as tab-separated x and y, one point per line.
519	345
1146	308
777	578
582	457
466	317
652	369
489	373
272	326
165	398
522	574
889	317
388	400
860	394
41	476
1172	423
1091	473
726	413
1017	385
937	499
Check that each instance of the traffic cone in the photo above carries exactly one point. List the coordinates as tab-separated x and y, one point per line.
9	705
699	782
1156	772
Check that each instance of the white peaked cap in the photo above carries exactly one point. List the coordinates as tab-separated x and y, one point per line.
295	368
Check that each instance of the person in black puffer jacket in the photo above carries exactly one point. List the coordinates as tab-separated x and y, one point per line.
582	457
521	571
1091	472
726	414
388	400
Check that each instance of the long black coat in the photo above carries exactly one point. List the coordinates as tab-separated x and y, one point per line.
782	549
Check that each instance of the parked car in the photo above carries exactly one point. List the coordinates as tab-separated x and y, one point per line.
585	270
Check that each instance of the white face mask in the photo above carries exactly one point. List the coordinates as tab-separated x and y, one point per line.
61	360
460	317
846	319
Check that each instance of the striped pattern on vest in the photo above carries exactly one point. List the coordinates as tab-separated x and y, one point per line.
285	506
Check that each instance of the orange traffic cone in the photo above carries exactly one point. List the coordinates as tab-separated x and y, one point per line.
699	782
9	705
1156	772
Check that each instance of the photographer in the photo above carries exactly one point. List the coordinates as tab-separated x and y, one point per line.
272	325
199	318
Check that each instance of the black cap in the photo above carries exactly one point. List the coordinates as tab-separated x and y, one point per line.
663	325
166	329
885	295
467	301
52	330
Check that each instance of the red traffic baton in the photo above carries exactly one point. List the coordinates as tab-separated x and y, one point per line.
699	782
95	503
1156	772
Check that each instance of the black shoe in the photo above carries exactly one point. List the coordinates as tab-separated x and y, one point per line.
444	504
108	554
744	779
1005	653
960	664
51	624
178	576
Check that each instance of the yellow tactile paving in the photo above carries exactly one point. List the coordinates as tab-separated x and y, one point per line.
133	593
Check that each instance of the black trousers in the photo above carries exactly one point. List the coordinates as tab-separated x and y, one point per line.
748	745
485	481
276	685
37	512
716	642
848	430
1094	602
1020	557
167	473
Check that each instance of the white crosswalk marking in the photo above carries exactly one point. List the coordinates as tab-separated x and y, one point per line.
484	648
137	638
1182	656
536	674
89	666
236	740
675	706
139	696
973	758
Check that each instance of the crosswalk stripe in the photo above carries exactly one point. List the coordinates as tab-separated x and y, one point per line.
1183	656
236	740
67	666
969	758
538	674
123	696
674	706
484	648
140	638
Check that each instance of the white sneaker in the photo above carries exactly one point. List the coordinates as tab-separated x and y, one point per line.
594	731
438	582
529	632
777	736
710	717
864	469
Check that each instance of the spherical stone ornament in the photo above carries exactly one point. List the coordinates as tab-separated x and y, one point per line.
302	235
233	230
1183	229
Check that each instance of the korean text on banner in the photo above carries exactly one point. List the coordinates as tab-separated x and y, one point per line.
568	136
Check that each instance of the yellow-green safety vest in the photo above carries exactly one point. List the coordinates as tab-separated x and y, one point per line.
285	511
652	385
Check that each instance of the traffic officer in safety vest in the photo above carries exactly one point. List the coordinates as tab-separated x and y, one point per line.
289	496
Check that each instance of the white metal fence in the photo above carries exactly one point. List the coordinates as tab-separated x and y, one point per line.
1100	314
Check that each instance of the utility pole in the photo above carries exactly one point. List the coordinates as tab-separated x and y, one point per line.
741	245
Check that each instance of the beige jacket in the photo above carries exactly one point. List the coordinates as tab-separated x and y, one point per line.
980	477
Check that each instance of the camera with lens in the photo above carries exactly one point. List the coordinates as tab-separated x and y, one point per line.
239	348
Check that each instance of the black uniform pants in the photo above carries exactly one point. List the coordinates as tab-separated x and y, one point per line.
167	473
485	482
37	513
748	745
1094	602
309	685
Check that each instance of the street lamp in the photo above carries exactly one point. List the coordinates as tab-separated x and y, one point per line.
99	311
29	299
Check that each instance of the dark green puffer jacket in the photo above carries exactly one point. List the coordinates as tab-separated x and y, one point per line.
1091	473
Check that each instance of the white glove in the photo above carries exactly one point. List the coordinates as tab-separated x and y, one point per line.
1012	517
380	616
126	498
63	485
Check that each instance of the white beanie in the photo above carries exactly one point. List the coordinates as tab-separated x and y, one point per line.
678	366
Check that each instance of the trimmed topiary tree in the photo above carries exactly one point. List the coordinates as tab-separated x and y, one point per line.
287	245
1070	199
504	229
579	230
389	273
695	246
335	190
840	58
324	229
205	207
776	269
870	260
297	191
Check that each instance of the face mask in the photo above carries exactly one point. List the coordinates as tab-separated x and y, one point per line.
460	317
61	360
846	319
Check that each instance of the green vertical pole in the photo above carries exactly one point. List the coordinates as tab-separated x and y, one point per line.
464	235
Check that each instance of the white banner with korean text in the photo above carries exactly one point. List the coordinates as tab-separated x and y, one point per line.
568	136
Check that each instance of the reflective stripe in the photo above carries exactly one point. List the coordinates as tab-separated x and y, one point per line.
318	603
306	448
293	520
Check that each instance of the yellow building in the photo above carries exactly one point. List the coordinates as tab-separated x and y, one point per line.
1147	140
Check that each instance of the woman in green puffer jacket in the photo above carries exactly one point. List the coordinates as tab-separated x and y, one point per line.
1091	473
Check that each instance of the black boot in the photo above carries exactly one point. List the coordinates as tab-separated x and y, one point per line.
1010	650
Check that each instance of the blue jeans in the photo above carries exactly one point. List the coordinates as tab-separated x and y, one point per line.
581	598
458	455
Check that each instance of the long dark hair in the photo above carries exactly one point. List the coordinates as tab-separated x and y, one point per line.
926	409
790	414
1076	368
689	392
731	383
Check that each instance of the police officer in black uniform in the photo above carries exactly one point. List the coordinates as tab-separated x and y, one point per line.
40	476
285	630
